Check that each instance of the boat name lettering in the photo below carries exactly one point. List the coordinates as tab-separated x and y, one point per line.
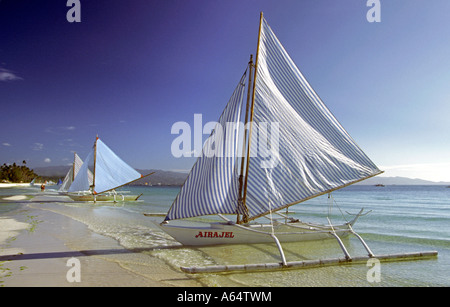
215	234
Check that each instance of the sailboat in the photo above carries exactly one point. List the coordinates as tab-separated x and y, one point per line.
109	173
293	150
72	173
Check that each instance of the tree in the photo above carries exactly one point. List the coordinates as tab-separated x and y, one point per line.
15	173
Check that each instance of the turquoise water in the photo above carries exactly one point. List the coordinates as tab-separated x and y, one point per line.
402	219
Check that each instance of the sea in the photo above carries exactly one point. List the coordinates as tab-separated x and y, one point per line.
400	219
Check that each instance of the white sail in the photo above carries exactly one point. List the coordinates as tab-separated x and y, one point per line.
212	186
313	153
81	181
110	171
72	173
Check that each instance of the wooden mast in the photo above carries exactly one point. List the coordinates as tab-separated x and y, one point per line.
95	160
245	216
241	176
73	166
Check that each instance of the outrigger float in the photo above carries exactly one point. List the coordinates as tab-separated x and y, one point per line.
290	149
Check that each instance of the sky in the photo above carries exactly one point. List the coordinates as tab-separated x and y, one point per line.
131	69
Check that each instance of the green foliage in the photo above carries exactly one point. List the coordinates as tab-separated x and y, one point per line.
16	173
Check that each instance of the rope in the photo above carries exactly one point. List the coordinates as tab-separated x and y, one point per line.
330	207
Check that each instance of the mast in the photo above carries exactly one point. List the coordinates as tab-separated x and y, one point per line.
73	166
245	217
95	160
241	176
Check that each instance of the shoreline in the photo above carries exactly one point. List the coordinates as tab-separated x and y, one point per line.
36	245
13	185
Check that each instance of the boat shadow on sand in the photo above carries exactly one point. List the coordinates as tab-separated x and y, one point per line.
82	253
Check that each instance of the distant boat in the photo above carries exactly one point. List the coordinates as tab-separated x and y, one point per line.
109	172
379	185
72	173
311	155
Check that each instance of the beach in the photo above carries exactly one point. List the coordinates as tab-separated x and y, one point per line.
36	246
13	185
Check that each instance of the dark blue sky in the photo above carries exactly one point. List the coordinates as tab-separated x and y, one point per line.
131	69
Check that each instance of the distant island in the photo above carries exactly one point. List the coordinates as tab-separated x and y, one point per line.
399	181
160	177
170	178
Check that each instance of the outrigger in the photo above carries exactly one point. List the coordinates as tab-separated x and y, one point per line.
289	149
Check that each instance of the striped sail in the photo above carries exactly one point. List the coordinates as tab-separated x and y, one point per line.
110	171
302	151
81	181
72	173
212	186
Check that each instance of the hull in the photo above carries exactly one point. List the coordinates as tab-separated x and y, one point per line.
103	197
224	233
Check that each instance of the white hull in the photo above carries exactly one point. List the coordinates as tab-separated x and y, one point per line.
225	233
110	197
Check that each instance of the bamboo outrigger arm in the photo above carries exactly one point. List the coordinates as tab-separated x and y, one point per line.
309	263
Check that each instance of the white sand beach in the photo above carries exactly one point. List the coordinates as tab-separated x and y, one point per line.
13	185
36	245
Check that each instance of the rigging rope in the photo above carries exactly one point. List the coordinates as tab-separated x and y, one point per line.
332	201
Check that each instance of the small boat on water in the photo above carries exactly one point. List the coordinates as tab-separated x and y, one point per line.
287	148
72	173
109	173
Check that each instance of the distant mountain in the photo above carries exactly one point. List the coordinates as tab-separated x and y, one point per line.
161	177
52	171
400	181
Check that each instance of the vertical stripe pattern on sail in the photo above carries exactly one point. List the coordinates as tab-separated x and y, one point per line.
83	180
303	150
71	174
212	186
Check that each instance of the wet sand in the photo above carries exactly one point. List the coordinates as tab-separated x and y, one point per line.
36	245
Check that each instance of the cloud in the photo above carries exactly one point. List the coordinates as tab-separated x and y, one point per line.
178	170
59	130
7	75
47	160
6	144
68	143
37	146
